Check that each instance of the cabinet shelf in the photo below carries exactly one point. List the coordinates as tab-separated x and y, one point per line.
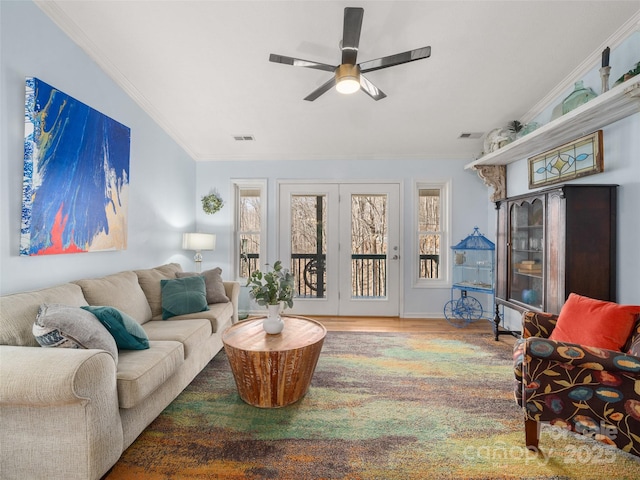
620	102
529	274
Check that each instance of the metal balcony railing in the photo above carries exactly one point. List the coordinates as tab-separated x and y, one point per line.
368	272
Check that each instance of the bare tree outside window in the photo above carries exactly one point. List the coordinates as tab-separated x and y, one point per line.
249	231
309	244
368	244
429	232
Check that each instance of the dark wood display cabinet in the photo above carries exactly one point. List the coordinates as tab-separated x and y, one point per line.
553	242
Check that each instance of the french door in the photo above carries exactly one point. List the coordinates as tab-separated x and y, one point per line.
341	241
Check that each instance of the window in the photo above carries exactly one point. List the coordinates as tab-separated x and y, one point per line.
250	246
432	238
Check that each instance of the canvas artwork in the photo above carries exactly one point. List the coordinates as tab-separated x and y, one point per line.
76	176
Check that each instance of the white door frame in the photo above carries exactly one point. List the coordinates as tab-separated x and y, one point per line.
334	303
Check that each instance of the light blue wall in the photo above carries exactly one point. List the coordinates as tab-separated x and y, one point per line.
470	201
162	175
621	167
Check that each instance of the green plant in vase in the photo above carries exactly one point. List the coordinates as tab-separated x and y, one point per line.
274	287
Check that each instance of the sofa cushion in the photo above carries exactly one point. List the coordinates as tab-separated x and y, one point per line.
213	284
141	372
72	327
19	311
595	323
191	333
149	280
120	290
128	334
183	296
217	315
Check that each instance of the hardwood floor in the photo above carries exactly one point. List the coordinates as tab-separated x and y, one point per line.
396	324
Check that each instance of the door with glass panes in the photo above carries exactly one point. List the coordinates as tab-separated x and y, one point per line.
341	242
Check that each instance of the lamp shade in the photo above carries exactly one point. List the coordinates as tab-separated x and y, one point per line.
198	241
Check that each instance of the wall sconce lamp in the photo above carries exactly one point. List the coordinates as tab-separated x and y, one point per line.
198	242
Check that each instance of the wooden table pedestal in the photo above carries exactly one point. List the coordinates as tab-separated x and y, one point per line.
273	370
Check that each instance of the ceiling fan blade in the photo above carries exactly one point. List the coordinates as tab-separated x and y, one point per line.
370	89
397	59
351	34
321	89
297	62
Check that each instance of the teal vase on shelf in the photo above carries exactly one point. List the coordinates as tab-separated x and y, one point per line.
579	96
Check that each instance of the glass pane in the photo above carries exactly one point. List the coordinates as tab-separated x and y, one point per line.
249	253
249	211
249	231
527	250
429	256
429	209
309	244
429	232
369	246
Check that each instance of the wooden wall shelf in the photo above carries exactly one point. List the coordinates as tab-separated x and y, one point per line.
616	104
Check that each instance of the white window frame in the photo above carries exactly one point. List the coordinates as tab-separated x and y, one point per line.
237	186
445	236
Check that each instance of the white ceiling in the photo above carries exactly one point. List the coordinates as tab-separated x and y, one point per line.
201	71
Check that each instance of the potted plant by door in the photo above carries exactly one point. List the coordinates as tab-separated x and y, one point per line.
273	289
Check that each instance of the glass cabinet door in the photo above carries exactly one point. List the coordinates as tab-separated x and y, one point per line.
526	245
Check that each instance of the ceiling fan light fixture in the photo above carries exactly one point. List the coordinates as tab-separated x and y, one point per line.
348	78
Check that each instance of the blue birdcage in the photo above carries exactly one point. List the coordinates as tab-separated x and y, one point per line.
473	263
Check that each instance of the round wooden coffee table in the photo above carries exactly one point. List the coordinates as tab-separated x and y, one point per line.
273	370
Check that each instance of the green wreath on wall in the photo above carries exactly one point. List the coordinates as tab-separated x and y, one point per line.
212	203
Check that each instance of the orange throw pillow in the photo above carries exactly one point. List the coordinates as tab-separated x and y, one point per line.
595	323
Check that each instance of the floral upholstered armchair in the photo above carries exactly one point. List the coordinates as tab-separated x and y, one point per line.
589	390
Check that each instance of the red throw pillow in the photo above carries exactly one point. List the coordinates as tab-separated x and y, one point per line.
595	323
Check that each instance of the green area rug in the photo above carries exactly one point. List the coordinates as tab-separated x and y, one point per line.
381	406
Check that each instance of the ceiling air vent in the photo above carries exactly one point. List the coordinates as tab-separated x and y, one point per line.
244	138
465	135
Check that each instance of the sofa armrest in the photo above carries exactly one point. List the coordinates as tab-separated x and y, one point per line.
538	324
579	356
232	290
51	376
49	394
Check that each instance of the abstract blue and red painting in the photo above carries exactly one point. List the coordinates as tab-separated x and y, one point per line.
76	175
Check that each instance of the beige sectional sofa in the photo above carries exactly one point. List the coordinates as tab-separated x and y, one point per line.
70	413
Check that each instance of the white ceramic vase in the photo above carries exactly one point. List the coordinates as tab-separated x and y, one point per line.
273	323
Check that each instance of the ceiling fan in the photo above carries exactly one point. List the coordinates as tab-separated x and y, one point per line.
348	76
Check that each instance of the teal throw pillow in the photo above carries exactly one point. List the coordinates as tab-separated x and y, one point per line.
182	296
128	334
